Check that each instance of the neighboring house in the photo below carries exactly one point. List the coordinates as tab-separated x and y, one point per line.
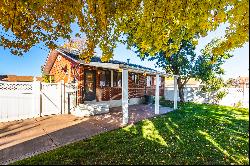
99	81
239	82
15	78
243	81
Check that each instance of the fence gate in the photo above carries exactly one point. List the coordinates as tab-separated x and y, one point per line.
52	95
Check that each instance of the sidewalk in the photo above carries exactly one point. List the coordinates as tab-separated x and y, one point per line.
25	138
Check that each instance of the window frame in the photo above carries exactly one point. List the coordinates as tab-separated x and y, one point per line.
117	76
107	76
135	78
150	80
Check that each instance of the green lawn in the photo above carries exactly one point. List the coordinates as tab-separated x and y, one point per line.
193	134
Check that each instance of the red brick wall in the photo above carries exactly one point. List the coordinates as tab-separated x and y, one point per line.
135	90
57	69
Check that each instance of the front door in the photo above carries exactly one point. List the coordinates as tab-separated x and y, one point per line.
89	85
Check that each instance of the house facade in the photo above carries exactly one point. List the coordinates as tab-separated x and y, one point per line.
98	81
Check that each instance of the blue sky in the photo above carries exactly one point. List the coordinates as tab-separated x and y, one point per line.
30	63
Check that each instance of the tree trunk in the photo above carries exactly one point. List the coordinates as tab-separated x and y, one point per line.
181	89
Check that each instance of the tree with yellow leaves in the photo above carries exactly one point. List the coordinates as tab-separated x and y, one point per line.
149	24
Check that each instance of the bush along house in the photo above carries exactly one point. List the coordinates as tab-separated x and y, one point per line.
100	84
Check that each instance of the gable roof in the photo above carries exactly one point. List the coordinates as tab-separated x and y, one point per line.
95	61
49	61
98	59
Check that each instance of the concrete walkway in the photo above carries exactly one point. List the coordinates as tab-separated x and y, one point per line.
25	138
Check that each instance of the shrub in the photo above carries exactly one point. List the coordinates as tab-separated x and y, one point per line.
219	96
48	78
239	104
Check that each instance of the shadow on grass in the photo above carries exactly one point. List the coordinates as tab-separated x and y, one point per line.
194	134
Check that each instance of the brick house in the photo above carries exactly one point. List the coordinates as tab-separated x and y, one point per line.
243	82
98	81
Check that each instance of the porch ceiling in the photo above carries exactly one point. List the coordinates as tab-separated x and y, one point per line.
103	65
122	66
139	70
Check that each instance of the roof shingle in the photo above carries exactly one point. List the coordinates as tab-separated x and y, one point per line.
98	59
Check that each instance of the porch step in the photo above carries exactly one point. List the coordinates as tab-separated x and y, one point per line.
101	108
80	112
91	109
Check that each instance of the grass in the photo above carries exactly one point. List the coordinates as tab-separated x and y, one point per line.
193	134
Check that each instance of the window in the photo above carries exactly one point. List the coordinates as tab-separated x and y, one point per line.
117	80
135	78
105	78
149	80
154	80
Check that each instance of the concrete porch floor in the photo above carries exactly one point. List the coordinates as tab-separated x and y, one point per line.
25	138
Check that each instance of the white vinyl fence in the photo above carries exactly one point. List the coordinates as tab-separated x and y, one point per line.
236	95
22	100
194	94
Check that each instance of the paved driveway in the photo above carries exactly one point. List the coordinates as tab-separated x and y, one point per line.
24	138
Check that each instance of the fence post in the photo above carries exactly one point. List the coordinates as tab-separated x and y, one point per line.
68	103
62	95
37	97
76	93
165	88
243	91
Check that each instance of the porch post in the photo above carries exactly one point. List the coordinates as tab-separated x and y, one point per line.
112	78
157	105
124	96
175	91
165	88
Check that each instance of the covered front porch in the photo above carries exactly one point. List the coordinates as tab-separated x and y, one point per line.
129	90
